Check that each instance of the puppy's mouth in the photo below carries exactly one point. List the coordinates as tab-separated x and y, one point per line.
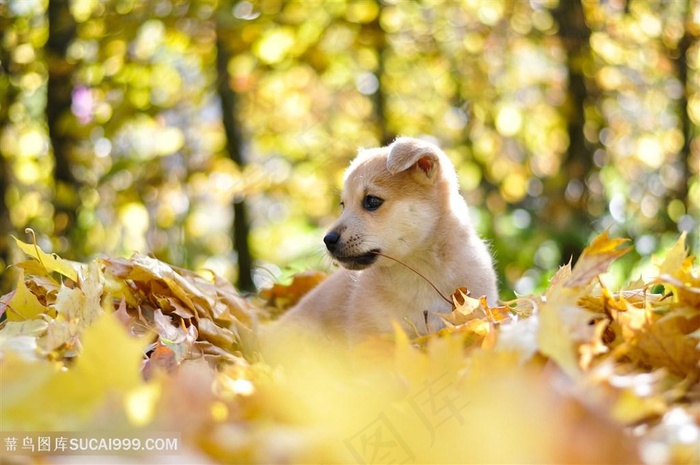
358	262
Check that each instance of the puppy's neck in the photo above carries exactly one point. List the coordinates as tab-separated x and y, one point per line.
418	269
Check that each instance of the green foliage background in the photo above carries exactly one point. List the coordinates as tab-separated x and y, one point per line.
204	131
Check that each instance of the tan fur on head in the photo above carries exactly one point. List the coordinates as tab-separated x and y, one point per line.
403	201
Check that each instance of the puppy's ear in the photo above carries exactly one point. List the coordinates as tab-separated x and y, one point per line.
407	153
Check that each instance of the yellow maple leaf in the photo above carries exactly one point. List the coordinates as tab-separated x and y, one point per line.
410	361
107	368
51	262
629	407
24	305
675	256
595	259
23	382
111	358
554	337
665	343
677	272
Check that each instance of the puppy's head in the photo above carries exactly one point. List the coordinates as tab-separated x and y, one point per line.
393	197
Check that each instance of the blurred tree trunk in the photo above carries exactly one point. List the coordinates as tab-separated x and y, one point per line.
681	60
578	162
378	36
5	225
575	35
234	146
379	100
6	100
62	31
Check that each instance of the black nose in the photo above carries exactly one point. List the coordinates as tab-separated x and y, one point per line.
331	239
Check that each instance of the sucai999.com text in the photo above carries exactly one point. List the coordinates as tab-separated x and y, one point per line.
23	443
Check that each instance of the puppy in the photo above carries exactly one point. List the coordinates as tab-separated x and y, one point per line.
401	201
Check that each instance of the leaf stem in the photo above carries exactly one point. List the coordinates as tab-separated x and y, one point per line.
36	247
416	272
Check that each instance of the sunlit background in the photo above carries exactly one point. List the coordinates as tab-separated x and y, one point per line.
214	134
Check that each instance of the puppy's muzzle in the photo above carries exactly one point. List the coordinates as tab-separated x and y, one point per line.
345	251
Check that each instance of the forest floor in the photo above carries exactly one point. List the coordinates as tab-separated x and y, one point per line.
133	361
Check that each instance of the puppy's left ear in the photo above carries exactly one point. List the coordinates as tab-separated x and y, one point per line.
408	153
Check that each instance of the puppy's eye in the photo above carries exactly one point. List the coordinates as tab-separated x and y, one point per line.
371	202
342	205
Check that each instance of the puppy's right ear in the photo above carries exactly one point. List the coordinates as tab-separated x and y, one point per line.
408	153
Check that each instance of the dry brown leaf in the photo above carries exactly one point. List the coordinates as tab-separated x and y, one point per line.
217	335
562	275
162	358
466	309
632	354
686	282
239	307
664	343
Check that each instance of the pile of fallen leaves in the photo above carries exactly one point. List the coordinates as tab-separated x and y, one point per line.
135	347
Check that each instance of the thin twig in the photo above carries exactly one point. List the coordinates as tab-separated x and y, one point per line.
416	272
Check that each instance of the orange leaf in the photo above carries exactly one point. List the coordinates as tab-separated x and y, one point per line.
283	296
